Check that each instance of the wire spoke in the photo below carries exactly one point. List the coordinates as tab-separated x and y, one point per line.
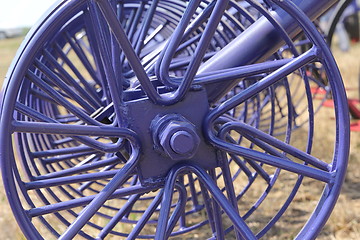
73	203
128	50
71	130
267	141
66	153
85	215
88	93
266	82
79	168
240	72
114	78
60	99
275	161
57	181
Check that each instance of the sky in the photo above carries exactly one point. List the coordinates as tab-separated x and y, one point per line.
22	13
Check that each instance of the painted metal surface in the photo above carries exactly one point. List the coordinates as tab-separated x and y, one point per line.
152	119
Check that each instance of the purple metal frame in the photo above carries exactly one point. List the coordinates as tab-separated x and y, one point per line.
149	113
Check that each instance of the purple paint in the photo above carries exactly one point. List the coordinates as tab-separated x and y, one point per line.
147	113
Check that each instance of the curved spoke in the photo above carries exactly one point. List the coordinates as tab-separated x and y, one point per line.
159	118
267	141
275	161
113	78
129	52
60	99
218	196
57	181
266	82
85	215
79	168
240	72
73	203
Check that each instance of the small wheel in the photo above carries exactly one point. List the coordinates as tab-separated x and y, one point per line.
126	119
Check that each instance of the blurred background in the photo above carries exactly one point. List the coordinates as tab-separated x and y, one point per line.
17	17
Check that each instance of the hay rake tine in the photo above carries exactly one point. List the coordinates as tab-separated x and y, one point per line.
156	119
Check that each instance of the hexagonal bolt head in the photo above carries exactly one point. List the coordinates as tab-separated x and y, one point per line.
179	140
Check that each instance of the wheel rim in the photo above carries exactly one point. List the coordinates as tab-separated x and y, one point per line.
58	109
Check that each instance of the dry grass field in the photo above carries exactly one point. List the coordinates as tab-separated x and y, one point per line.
345	219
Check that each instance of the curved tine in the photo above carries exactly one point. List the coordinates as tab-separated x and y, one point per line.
218	196
78	132
254	134
165	225
87	213
259	86
60	99
179	209
128	50
115	87
277	159
144	30
118	216
164	60
146	216
196	60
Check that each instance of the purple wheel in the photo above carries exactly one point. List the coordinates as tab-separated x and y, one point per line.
157	119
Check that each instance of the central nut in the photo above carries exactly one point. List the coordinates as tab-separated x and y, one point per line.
177	137
182	142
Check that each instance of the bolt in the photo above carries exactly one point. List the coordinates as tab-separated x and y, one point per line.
177	138
182	142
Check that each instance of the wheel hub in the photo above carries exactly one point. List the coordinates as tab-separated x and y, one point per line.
174	132
175	136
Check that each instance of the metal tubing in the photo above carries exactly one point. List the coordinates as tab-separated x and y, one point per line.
249	47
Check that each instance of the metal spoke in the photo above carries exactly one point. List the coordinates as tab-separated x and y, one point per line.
115	83
60	99
79	168
71	130
218	196
73	203
63	85
146	216
240	72
129	52
143	37
89	92
254	134
266	82
57	181
65	152
119	215
85	215
279	162
82	57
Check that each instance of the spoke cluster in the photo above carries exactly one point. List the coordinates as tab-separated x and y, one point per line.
102	68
